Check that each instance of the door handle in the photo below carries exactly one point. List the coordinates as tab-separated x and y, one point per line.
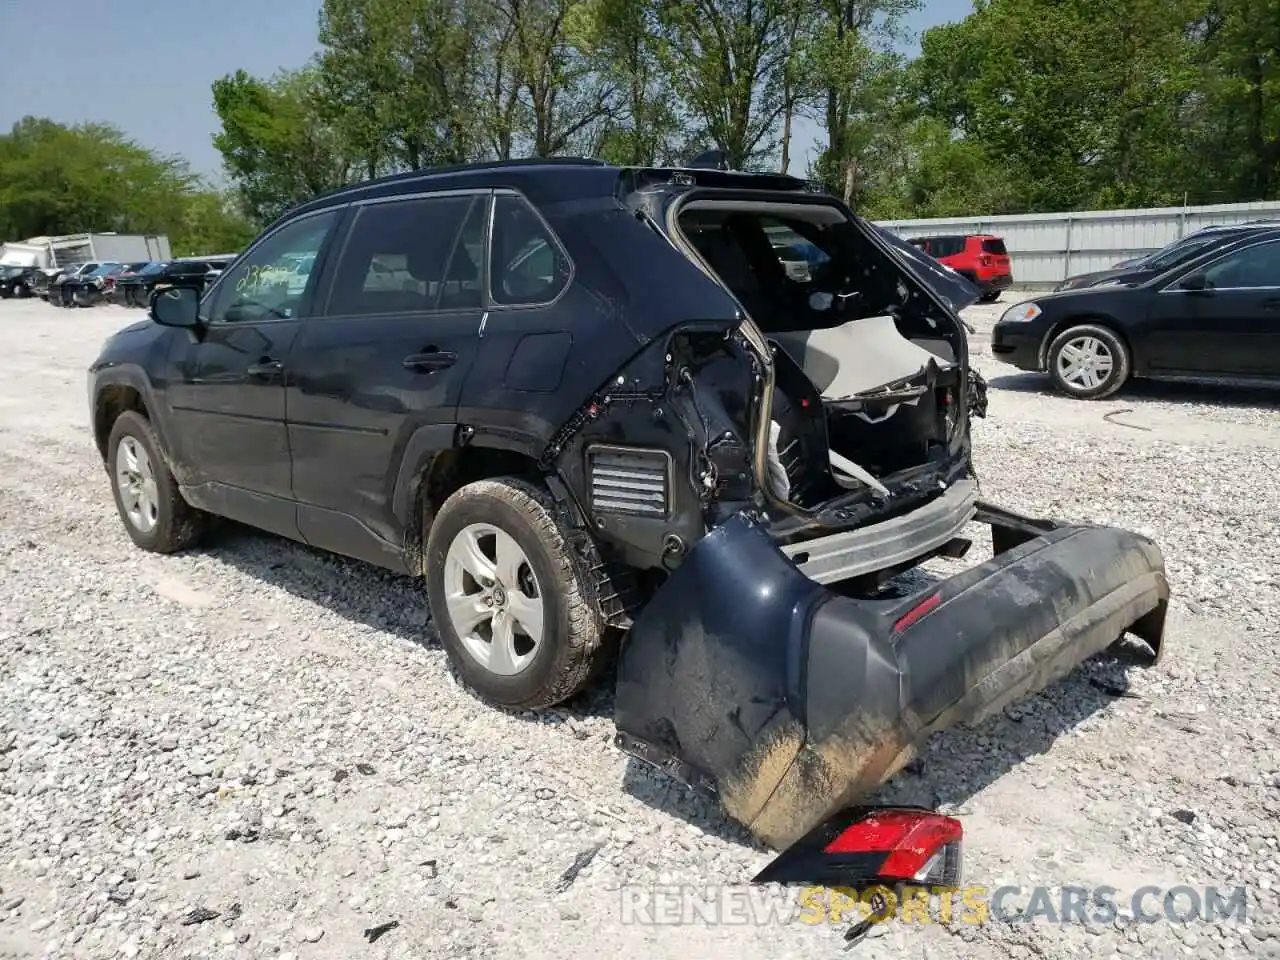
265	368
430	360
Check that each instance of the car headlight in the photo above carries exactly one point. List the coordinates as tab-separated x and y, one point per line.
1021	313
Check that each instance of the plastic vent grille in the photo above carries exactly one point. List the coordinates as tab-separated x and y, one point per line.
629	481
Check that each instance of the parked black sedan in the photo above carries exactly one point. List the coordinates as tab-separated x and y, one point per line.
1216	316
1183	250
136	290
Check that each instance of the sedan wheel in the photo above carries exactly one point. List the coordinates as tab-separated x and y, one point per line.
1089	362
494	603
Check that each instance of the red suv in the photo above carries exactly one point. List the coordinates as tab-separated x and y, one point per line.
978	257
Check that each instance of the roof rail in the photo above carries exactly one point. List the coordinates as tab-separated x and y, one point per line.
422	172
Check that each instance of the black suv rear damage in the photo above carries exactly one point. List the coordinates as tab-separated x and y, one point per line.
707	411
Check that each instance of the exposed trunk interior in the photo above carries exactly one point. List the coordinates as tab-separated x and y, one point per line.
867	377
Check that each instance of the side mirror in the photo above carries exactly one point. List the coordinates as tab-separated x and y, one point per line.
1195	281
176	307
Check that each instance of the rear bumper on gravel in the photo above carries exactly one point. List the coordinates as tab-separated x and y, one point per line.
789	701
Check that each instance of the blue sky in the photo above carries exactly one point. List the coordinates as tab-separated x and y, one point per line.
147	67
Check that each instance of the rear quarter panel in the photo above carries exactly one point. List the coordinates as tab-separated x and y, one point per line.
630	286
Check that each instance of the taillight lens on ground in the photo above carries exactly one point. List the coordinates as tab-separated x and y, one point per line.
921	847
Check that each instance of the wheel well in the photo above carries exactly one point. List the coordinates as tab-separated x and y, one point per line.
112	401
1103	322
450	471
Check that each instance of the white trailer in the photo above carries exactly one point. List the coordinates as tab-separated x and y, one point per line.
50	253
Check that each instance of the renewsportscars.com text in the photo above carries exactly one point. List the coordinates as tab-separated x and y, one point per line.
679	904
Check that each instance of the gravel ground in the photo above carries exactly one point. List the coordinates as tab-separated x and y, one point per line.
272	735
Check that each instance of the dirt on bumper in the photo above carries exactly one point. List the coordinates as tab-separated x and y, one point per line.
791	701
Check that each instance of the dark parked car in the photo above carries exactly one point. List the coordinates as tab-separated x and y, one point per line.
137	290
120	282
18	282
88	288
1173	255
585	401
1217	315
61	287
216	266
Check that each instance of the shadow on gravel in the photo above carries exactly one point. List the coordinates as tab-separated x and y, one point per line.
1156	391
368	596
953	765
356	591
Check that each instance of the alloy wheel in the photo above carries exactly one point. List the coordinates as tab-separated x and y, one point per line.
136	481
493	599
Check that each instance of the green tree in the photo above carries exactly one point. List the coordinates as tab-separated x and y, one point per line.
399	78
728	60
56	179
644	126
1233	118
276	148
1083	99
849	79
210	223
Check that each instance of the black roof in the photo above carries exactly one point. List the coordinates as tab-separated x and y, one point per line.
554	178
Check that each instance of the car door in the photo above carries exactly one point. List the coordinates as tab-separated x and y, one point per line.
228	398
1227	324
374	383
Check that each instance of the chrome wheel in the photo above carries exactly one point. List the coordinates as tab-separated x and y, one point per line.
136	481
493	599
1085	362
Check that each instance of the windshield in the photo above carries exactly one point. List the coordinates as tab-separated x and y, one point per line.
103	270
153	268
10	271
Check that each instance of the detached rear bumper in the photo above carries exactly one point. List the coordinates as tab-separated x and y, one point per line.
790	701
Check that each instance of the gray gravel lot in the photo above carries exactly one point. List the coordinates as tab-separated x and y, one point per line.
272	734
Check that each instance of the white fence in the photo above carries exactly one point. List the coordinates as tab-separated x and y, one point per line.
1049	247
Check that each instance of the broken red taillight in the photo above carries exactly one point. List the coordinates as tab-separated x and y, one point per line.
866	847
919	847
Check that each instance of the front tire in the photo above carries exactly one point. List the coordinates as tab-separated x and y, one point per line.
155	515
514	604
21	291
1088	362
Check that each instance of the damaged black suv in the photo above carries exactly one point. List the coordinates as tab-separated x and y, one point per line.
598	410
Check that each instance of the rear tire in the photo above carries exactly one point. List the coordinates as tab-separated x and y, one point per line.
155	515
1088	362
990	297
513	602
